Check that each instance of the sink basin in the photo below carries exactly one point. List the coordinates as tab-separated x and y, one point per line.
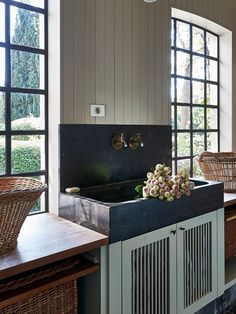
113	193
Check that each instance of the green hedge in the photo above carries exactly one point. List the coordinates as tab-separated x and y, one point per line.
25	158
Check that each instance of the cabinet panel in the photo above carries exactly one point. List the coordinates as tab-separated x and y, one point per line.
196	263
149	277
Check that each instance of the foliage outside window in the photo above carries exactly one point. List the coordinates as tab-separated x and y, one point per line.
23	90
194	94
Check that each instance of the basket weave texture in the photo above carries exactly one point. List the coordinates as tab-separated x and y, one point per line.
219	167
17	197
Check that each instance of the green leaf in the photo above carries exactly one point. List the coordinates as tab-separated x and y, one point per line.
139	189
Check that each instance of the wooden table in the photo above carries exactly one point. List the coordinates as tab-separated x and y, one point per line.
229	199
45	239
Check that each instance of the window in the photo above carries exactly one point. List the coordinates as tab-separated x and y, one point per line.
23	91
194	93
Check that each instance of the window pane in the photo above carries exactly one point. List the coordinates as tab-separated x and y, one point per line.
198	67
183	117
212	70
172	62
198	93
198	118
183	90
2	22
39	206
183	144
173	117
196	169
28	153
183	164
27	111
183	35
212	95
212	45
2	66
198	40
172	33
27	70
35	3
212	118
172	89
27	28
173	145
198	143
212	142
2	155
183	63
2	111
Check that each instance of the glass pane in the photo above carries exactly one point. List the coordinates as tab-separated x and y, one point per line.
198	93
28	153
198	118
212	45
172	62
183	144
27	111
2	111
27	69
39	205
212	70
173	145
27	28
173	167
172	33
183	117
182	35
173	117
212	118
35	3
198	67
212	95
2	66
183	90
2	155
172	89
2	22
183	63
198	40
198	143
212	142
183	164
196	169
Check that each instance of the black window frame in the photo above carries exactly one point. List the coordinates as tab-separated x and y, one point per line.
7	89
174	104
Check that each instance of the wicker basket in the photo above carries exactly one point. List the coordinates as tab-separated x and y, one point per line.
17	197
219	167
230	233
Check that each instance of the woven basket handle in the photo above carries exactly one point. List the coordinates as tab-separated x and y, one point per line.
207	154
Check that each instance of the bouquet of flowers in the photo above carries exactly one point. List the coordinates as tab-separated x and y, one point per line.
161	185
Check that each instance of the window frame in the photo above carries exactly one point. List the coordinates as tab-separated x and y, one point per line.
190	105
8	90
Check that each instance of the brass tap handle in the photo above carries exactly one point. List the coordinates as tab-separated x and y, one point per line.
135	141
118	141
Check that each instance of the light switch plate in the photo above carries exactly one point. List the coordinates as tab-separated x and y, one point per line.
97	110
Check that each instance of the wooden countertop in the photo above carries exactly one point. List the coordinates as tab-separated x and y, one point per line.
47	238
229	199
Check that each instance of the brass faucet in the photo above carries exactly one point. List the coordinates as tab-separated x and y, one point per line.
118	141
135	141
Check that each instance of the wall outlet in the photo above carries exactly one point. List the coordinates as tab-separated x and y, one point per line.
97	110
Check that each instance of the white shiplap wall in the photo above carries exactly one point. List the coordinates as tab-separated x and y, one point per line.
116	52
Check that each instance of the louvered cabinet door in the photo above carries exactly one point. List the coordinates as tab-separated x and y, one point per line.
196	263
149	273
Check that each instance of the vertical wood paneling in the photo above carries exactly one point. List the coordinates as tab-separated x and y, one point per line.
110	62
90	57
143	62
67	110
127	62
136	62
117	52
119	61
79	61
100	55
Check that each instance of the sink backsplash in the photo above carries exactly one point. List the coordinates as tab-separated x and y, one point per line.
87	157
